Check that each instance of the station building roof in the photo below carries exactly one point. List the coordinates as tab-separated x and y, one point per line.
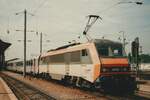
3	46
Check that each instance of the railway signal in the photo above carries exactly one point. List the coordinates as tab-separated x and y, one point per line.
135	47
135	53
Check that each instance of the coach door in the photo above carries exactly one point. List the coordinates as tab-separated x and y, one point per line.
67	62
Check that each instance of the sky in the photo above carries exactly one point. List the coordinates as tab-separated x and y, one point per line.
62	21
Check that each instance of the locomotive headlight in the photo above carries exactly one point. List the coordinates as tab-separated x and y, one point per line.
115	69
125	69
105	69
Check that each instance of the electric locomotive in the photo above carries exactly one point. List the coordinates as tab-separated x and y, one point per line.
99	63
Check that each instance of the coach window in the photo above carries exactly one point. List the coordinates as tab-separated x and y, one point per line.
43	61
26	62
84	52
31	62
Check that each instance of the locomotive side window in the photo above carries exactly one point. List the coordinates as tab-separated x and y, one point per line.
85	57
57	58
84	52
75	56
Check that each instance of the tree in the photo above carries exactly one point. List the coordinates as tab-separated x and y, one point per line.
145	58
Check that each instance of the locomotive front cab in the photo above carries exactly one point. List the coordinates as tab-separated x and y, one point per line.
115	73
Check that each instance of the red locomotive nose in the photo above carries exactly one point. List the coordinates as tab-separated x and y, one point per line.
118	62
113	66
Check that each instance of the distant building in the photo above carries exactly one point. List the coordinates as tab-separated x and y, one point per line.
3	47
145	67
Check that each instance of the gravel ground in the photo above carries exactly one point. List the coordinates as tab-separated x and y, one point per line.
62	92
56	90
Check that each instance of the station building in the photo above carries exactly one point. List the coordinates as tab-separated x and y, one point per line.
3	47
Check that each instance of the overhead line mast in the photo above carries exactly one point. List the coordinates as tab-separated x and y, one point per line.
25	33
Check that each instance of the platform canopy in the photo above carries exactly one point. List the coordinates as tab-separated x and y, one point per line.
3	47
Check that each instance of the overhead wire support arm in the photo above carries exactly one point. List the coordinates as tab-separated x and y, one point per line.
138	3
122	2
19	13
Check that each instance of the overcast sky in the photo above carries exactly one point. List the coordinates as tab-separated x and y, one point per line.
64	20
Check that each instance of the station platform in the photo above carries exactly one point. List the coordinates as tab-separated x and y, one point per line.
5	91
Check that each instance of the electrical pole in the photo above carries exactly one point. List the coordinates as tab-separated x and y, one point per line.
41	43
123	40
25	31
25	28
137	54
40	51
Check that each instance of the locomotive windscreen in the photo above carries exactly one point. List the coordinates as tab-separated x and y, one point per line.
107	48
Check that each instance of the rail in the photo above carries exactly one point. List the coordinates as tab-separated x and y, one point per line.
24	91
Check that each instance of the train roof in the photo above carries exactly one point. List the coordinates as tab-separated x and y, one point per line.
79	46
105	41
65	46
18	60
97	41
15	61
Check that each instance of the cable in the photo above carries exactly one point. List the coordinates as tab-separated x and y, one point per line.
35	11
122	2
108	8
40	5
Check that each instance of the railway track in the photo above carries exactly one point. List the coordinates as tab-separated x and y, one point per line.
107	96
81	93
138	95
96	94
24	91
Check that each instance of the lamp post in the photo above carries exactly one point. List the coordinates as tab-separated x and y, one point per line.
41	41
